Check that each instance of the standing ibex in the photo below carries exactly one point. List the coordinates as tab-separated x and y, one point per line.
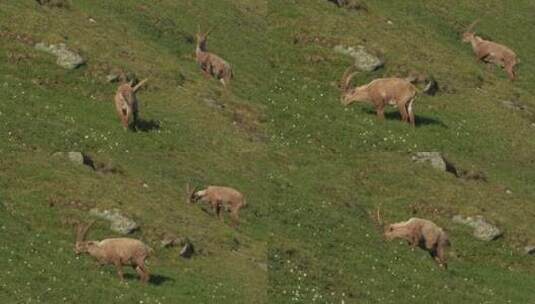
220	198
492	52
126	103
381	92
210	63
116	251
422	233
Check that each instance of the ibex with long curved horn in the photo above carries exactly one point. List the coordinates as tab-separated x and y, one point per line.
492	52
126	103
116	251
210	63
381	92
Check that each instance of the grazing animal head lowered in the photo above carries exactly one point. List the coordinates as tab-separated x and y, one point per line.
422	233
381	92
220	198
116	251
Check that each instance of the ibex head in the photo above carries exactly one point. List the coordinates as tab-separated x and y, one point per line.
350	95
469	34
202	37
81	245
191	193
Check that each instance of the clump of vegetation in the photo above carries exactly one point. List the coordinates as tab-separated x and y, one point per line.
55	3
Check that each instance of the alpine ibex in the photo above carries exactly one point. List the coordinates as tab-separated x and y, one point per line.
210	63
492	52
220	198
116	251
423	233
126	103
381	92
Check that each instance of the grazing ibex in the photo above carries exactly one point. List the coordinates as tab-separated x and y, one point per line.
220	198
210	63
381	92
492	52
126	103
423	233
116	251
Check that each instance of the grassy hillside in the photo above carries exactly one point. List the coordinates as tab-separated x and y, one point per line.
313	171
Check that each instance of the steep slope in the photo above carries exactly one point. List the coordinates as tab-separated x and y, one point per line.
313	171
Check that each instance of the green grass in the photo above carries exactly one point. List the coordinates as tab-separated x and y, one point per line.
313	171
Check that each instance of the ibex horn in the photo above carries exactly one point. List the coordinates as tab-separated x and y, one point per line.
139	84
211	30
346	78
471	26
379	217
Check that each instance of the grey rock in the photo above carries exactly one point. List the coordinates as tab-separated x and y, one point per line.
530	250
436	160
515	105
483	230
171	241
75	157
118	222
364	61
167	242
112	78
214	103
66	58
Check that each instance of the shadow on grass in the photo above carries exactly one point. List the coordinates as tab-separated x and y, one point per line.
420	119
147	125
155	279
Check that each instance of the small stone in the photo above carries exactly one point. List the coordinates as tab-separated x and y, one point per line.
431	88
112	78
214	103
515	105
529	250
187	251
